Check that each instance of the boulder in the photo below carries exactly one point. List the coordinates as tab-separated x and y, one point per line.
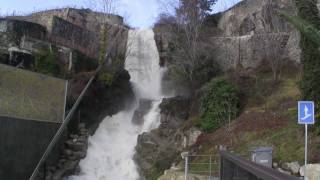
293	167
193	135
275	165
313	171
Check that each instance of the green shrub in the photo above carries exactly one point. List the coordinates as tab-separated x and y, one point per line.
219	102
47	63
106	78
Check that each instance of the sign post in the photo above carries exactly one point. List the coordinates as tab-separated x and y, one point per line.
306	116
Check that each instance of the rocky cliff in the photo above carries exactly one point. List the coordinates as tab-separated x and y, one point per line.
239	32
247	25
157	150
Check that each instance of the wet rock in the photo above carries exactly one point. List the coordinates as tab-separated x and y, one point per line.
138	117
67	152
79	155
73	152
177	106
159	148
76	146
143	109
145	104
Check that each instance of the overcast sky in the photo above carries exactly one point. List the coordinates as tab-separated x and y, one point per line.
138	13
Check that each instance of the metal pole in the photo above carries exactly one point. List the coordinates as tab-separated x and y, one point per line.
186	168
306	152
210	169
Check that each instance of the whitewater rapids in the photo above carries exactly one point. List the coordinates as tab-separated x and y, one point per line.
112	147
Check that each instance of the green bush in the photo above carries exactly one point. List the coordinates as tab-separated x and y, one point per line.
219	102
47	63
106	78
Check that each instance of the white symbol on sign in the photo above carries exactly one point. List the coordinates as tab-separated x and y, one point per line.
306	114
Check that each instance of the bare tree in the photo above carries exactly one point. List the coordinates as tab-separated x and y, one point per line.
274	48
185	25
108	38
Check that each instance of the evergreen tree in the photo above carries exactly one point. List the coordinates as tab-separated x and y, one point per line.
310	84
305	28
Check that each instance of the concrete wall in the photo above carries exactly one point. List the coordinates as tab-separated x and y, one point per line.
22	144
85	18
78	29
75	37
249	51
12	31
248	20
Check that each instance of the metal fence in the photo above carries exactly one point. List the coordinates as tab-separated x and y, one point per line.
237	167
202	166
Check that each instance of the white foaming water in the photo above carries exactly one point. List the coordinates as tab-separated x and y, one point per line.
112	147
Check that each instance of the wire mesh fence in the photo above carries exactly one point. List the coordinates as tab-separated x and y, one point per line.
206	166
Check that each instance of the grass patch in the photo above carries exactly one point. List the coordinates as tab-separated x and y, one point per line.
275	104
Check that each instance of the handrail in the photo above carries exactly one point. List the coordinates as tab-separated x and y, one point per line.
71	112
255	169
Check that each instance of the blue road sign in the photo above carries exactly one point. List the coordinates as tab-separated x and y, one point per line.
306	112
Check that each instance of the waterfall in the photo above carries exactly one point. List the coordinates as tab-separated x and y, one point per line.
112	147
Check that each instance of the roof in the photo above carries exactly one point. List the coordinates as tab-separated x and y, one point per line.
31	96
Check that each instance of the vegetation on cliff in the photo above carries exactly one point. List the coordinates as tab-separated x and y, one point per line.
310	86
219	104
46	63
308	23
254	107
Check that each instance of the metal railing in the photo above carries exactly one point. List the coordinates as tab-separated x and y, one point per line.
236	167
207	166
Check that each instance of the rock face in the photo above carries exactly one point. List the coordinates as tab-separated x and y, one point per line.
155	151
115	97
248	24
237	36
74	150
143	109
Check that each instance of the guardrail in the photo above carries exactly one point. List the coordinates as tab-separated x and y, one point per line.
235	167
